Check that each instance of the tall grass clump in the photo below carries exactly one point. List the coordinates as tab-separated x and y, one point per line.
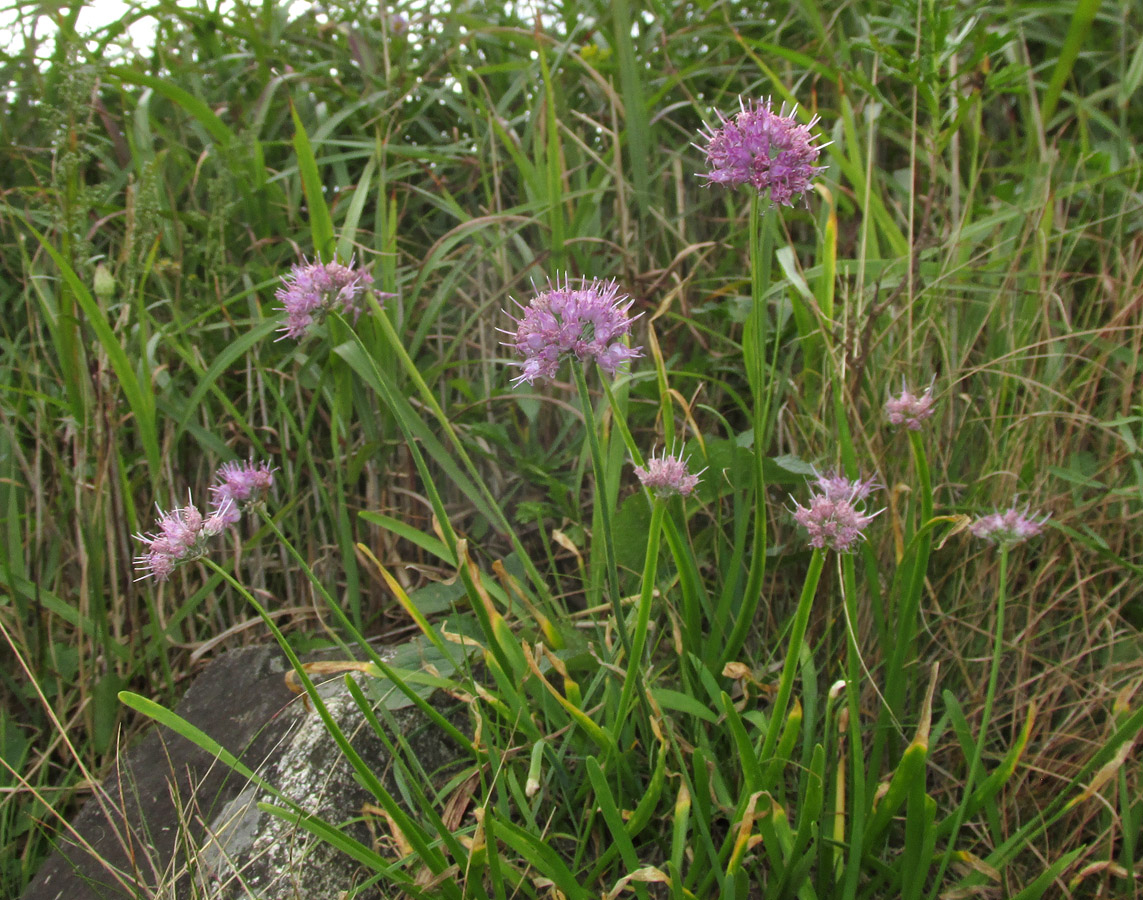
760	392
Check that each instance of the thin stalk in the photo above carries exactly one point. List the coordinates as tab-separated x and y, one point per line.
985	717
601	504
790	668
907	604
754	350
853	679
347	623
924	479
693	591
643	616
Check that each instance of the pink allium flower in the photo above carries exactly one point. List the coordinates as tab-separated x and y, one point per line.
313	289
182	535
768	150
835	516
588	322
667	475
238	485
837	487
1009	527
908	409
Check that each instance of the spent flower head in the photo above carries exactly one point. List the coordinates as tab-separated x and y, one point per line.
835	517
311	290
1009	527
588	322
909	409
181	535
238	485
667	475
770	151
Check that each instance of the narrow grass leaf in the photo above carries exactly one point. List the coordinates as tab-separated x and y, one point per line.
140	399
542	857
1083	15
321	224
608	808
199	110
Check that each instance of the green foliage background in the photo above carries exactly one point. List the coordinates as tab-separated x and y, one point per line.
979	224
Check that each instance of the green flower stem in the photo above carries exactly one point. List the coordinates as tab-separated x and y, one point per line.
601	504
909	602
693	590
841	424
921	461
789	670
853	682
370	653
985	717
754	350
643	617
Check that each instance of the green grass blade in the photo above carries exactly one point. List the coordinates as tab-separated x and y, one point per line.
321	224
137	392
1083	15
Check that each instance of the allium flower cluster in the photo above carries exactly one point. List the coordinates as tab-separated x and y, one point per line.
835	516
908	409
587	322
239	484
768	150
183	533
313	289
1009	527
667	475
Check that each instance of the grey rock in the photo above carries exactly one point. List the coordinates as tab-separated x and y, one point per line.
173	822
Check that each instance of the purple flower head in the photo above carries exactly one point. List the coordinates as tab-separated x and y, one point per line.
313	289
908	409
238	485
667	475
181	535
768	150
837	487
835	516
1009	527
588	322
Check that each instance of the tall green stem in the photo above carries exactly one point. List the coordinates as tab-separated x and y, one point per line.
643	616
790	668
853	681
755	339
985	718
908	602
601	504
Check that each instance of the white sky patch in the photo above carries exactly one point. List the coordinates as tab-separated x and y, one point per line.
24	19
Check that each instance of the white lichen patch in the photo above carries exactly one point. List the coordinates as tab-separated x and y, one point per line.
259	853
